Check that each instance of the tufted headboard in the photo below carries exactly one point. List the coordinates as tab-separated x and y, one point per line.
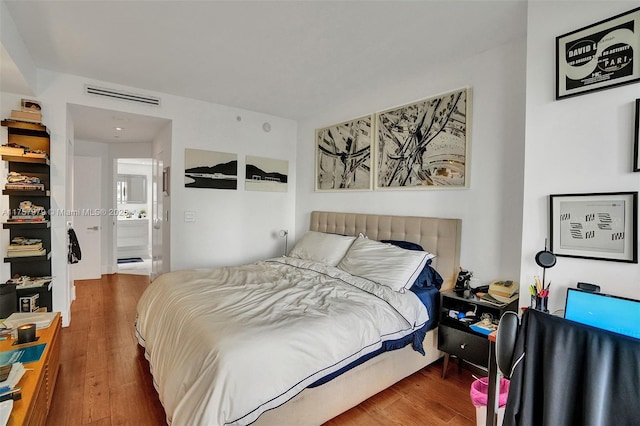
438	236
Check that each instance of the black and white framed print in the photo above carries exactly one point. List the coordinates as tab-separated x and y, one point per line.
636	149
266	174
343	155
601	226
424	145
600	56
210	169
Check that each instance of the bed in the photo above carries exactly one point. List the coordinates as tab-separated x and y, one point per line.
268	322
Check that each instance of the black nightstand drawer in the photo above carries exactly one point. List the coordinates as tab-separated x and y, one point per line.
463	344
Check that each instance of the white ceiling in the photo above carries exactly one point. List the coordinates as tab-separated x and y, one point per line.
287	58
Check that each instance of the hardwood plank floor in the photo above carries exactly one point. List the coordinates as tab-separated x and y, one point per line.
104	379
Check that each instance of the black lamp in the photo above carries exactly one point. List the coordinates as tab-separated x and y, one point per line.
545	259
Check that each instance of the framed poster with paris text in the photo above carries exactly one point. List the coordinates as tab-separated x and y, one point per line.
600	56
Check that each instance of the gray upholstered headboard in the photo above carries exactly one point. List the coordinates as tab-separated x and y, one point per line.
438	236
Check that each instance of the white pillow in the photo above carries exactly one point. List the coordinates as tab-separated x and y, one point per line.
321	247
384	264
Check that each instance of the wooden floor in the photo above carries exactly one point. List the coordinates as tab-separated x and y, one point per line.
104	378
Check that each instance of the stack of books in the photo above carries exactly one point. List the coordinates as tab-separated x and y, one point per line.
25	247
13	149
28	212
37	153
24	281
21	182
30	112
504	291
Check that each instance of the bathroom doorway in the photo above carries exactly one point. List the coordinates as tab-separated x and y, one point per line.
133	207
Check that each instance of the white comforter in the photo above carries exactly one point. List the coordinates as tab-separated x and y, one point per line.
225	345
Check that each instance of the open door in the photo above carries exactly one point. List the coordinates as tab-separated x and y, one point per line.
157	195
87	199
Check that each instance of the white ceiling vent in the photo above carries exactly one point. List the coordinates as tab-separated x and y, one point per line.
125	96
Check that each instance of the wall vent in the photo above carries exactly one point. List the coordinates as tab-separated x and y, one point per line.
125	96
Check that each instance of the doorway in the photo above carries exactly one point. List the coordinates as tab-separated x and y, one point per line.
110	135
133	207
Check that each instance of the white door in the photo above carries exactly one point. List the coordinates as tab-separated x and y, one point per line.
157	194
87	198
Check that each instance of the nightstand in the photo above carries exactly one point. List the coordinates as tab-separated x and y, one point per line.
455	336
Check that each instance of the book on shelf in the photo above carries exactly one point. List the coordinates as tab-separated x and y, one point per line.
24	355
25	242
24	281
484	327
503	289
11	150
40	319
36	154
497	300
28	116
24	186
19	247
26	253
26	219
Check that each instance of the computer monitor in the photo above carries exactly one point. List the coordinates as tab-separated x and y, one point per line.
613	313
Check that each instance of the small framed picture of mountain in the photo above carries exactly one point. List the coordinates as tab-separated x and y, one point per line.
266	174
210	169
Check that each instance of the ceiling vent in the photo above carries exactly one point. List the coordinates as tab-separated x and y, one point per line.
125	96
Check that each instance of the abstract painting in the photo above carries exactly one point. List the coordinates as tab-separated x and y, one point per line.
343	155
424	144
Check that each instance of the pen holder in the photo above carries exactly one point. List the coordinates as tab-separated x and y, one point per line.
539	303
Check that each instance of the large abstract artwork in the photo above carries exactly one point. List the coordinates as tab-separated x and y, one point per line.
343	155
424	144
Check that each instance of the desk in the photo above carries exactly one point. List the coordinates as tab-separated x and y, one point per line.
37	385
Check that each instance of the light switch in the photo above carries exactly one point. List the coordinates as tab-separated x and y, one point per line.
189	216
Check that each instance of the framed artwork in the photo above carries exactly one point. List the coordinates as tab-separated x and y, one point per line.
600	56
266	174
210	169
343	155
636	149
595	226
424	144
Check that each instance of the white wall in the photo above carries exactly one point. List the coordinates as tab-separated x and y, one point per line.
581	144
227	230
490	208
